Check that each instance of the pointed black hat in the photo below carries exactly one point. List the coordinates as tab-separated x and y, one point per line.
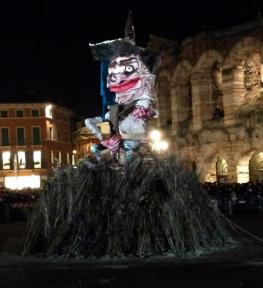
108	50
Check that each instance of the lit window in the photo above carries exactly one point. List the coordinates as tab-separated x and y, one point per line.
19	113
52	156
37	159
48	111
59	157
68	158
74	154
21	182
21	159
6	159
35	113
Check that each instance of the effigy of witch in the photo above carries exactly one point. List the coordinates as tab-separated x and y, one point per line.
130	78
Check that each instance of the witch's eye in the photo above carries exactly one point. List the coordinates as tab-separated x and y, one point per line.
129	69
112	77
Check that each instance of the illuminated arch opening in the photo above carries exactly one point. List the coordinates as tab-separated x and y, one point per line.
256	167
221	170
242	169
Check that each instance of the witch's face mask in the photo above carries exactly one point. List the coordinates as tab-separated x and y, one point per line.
126	77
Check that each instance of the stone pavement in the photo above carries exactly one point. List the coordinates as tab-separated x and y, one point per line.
239	266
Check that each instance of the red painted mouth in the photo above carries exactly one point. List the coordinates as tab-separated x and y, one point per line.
124	86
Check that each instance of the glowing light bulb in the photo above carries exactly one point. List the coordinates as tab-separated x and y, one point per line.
155	135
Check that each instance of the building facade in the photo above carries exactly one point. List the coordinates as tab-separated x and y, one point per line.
83	139
33	138
210	98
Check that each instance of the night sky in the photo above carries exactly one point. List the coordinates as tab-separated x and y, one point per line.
44	52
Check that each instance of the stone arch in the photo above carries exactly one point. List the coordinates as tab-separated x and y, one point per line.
207	87
242	73
207	60
211	167
242	168
181	97
163	89
221	169
242	49
256	167
182	69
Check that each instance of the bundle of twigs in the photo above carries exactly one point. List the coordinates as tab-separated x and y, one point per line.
138	210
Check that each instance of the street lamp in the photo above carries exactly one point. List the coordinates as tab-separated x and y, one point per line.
155	135
157	143
160	146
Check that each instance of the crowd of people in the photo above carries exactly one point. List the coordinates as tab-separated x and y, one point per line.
24	195
230	198
236	198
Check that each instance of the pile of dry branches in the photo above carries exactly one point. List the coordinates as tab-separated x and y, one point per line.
140	209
